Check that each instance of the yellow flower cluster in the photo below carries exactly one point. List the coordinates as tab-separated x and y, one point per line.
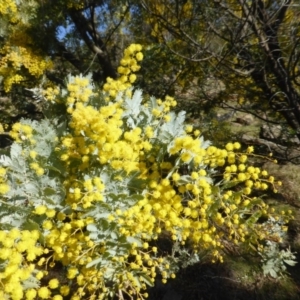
37	168
129	65
210	212
11	79
86	193
19	58
18	250
188	148
178	195
187	211
164	107
239	171
188	9
78	4
4	187
79	91
21	132
8	7
15	57
67	240
70	245
51	93
103	134
97	133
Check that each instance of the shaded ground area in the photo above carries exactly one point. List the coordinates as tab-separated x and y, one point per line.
220	282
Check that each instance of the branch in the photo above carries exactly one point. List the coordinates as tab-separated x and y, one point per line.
51	76
70	57
95	43
282	11
245	110
285	152
183	56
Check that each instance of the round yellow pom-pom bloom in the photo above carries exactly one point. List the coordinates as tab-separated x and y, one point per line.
40	210
53	283
65	290
237	145
44	293
30	294
4	188
229	147
139	56
72	273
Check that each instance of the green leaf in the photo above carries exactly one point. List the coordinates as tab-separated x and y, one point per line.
15	151
92	228
230	184
132	240
254	218
104	224
273	273
136	281
31	282
166	137
5	161
146	279
49	191
109	272
132	106
94	236
52	168
152	103
290	262
49	201
184	179
175	127
94	262
31	225
113	235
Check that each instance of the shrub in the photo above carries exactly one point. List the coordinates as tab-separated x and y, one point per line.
91	187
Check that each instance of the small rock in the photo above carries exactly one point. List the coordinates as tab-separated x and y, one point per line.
245	119
270	132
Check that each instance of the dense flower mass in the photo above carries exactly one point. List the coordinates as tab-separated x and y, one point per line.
14	58
21	132
119	174
19	62
4	187
8	8
128	65
18	250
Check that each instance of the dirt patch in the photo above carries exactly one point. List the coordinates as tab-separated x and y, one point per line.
289	174
235	279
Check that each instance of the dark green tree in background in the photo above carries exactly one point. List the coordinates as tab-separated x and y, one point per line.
243	55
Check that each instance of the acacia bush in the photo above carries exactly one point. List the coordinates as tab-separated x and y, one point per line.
87	191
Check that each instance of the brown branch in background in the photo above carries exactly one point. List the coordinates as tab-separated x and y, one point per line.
70	57
94	42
